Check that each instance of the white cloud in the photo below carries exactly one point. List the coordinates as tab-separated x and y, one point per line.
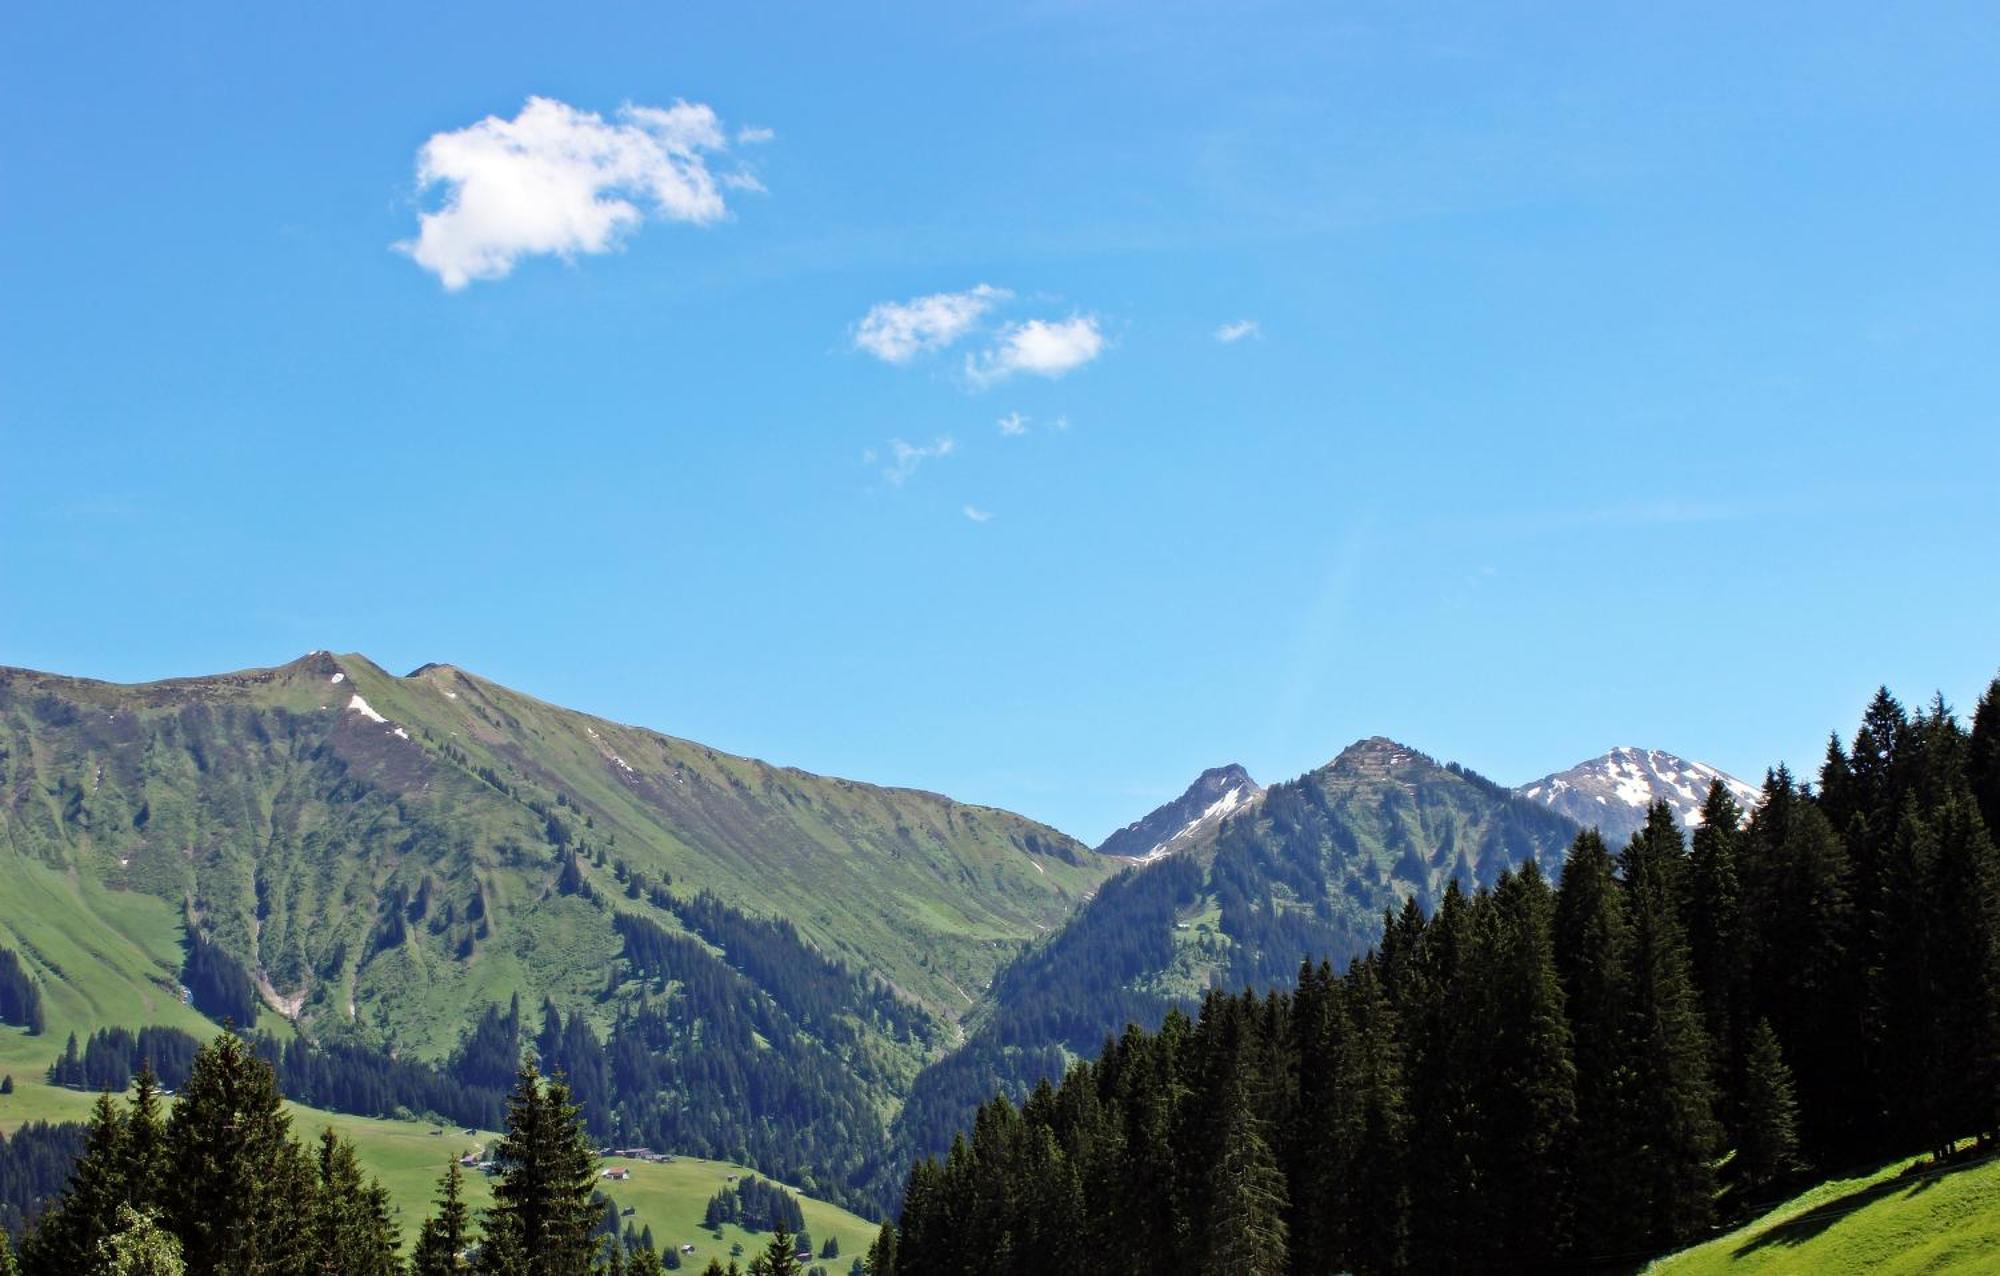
906	458
1045	347
561	181
752	134
978	515
898	331
1013	425
1231	333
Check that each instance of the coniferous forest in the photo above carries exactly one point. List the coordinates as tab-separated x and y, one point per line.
1567	1074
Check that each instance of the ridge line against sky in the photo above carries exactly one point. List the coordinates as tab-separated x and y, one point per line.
1020	404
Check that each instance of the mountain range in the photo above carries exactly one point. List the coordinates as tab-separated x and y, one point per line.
386	860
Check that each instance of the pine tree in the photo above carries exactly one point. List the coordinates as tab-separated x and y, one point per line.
780	1257
1590	951
1983	758
75	1227
237	1188
444	1235
882	1254
1767	1149
1666	1051
1528	1098
1719	943
1371	1190
1243	1217
145	1144
352	1234
543	1209
1965	970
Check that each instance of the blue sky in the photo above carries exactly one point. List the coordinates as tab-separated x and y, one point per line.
1618	375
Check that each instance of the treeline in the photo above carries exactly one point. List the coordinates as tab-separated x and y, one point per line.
113	1056
217	983
1536	1076
20	997
755	1205
35	1163
219	1187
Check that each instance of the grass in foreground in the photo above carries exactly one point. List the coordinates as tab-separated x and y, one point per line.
1895	1220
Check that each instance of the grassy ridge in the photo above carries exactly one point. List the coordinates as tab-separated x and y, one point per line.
1898	1220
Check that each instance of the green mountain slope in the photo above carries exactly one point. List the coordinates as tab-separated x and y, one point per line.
288	812
752	962
1905	1218
1304	871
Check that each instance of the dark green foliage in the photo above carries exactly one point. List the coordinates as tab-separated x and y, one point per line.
352	1233
20	996
755	1205
217	983
1767	1150
543	1216
780	1257
1983	757
446	1232
113	1056
238	1189
36	1162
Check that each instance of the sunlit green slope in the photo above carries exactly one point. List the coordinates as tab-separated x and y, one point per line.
1899	1220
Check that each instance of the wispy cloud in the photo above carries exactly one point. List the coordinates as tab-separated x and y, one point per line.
559	181
753	134
898	331
1044	347
903	460
1013	425
978	515
1231	333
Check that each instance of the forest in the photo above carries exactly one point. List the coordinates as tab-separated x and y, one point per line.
1536	1074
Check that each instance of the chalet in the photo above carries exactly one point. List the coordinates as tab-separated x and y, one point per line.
618	1174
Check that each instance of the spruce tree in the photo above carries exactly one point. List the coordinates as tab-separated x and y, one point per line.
1370	1153
70	1231
1665	1051
1243	1217
1965	968
1983	758
352	1233
237	1189
881	1259
1767	1147
445	1234
1719	943
543	1211
1590	951
1528	1095
144	1149
780	1257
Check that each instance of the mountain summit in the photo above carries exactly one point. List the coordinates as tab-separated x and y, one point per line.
1613	792
1216	793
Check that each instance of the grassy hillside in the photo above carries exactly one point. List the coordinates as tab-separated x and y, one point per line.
289	811
1900	1219
409	1156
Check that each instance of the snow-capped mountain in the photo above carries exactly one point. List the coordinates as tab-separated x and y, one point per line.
1613	792
1180	823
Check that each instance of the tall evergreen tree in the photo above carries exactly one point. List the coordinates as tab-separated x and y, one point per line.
238	1188
446	1233
1528	1095
1590	951
780	1257
1671	1102
1719	943
1243	1215
1372	1194
352	1232
70	1232
542	1210
1983	760
1767	1147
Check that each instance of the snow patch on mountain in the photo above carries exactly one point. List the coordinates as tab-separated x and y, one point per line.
1212	798
1614	792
